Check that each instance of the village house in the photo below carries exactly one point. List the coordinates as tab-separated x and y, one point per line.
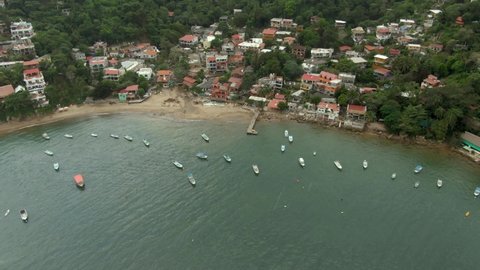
405	39
435	47
35	85
366	90
188	41
129	93
147	73
189	82
356	112
344	49
471	144
273	81
297	96
220	91
280	23
238	38
339	24
359	61
23	46
255	44
163	77
78	55
309	81
112	74
314	19
98	63
273	104
380	60
382	33
228	48
373	49
414	48
35	63
430	82
237	10
236	60
216	63
99	47
269	34
321	53
6	91
130	65
149	52
328	111
21	29
358	34
329	83
235	83
347	78
394	52
298	51
459	21
381	71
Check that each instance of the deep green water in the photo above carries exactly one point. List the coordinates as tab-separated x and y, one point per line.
139	212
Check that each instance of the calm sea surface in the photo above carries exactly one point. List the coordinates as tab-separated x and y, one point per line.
138	210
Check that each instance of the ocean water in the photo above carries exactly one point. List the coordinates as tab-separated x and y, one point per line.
138	210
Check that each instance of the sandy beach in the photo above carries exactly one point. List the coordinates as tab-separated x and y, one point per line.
170	103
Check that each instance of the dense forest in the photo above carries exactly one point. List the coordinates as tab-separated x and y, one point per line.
435	113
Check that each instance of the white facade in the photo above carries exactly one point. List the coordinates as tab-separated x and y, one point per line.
321	53
21	29
147	73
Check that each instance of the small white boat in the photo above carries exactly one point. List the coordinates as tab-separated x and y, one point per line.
302	162
56	166
45	136
48	152
227	158
7	212
128	138
282	148
202	155
418	169
178	164
24	215
439	183
68	136
114	136
94	135
365	164
314	153
290	138
338	165
191	179
476	192
205	137
394	175
286	133
255	168
146	143
416	185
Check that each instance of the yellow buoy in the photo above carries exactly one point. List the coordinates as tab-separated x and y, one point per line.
467	213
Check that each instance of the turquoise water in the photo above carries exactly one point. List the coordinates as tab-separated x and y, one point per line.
138	210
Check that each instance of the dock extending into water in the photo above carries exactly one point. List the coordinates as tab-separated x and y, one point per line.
250	129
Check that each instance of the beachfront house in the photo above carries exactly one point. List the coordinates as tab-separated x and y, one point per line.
147	73
356	112
6	91
163	77
273	104
112	74
129	93
471	143
98	63
309	81
328	111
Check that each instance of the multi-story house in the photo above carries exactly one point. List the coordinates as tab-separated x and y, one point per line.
382	33
23	46
21	29
269	33
98	63
356	112
163	77
358	34
298	51
35	85
321	53
216	63
188	41
112	74
329	111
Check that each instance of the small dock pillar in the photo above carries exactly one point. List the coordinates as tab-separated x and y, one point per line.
250	129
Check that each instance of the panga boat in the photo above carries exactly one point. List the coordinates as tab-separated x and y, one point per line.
45	136
394	175
202	155
439	183
418	169
94	135
476	192
68	136
282	148
48	152
227	158
314	153
205	137
191	179
255	169
178	164
290	138
286	133
78	179
416	184
24	215
114	136
147	144
56	166
128	138
301	161
7	212
365	164
337	163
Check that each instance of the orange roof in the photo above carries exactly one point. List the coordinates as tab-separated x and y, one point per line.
310	77
188	38
269	31
329	76
331	106
111	71
273	104
31	71
164	72
151	52
382	71
189	80
6	90
345	48
130	88
33	62
356	109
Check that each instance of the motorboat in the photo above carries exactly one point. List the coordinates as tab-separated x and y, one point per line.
178	164
146	143
476	192
290	138
282	148
314	153
416	184
68	136
302	162
338	165
227	158
48	152
94	135
191	179
7	212
56	166
78	179
286	133
394	175
45	136
114	136
205	137
128	138
365	164
24	215
439	183
418	169
202	155
255	168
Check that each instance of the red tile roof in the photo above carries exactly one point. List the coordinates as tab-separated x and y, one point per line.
273	104
329	76
111	71
382	71
359	109
345	48
311	77
6	90
130	88
31	71
279	96
33	62
188	38
269	31
164	72
394	52
331	106
189	81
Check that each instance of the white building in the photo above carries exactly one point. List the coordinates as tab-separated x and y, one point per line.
21	29
35	85
318	53
147	73
98	63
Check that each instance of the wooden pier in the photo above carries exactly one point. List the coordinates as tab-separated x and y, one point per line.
250	129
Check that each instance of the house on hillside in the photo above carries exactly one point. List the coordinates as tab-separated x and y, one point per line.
321	53
188	41
383	33
269	34
358	34
164	76
430	82
298	51
189	82
112	74
98	63
216	63
21	29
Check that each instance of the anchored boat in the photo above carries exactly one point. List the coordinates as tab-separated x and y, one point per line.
282	148
202	155
439	183
24	215
146	143
338	165
365	164
205	137
56	166
178	164
394	175
476	192
45	136
191	179
418	169
227	158
128	138
302	162
255	168
114	136
290	139
285	133
68	136
78	179
48	153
